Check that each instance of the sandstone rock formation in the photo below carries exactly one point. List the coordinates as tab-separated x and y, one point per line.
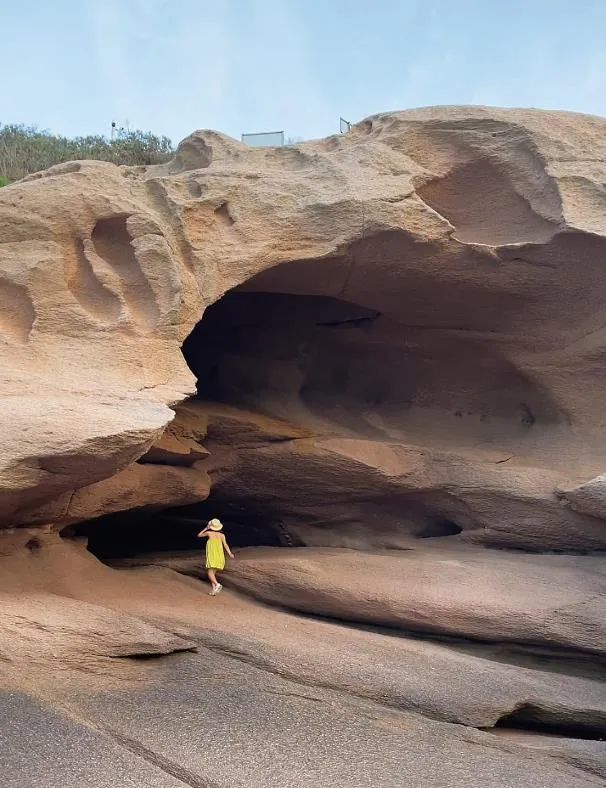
465	681
427	287
555	601
383	347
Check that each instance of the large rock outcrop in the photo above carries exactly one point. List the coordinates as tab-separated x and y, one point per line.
423	296
385	348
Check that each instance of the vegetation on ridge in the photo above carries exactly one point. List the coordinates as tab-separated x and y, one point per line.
26	149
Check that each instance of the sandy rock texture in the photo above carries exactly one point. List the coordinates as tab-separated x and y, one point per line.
456	679
548	600
380	706
381	353
423	295
52	617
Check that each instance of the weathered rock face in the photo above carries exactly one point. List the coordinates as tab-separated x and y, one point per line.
389	341
421	298
456	590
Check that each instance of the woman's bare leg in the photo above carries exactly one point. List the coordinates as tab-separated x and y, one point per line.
218	587
213	578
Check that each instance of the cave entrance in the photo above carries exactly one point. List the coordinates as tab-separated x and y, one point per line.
135	533
284	354
344	368
270	353
280	348
334	370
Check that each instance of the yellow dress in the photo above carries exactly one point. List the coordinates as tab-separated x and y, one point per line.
215	557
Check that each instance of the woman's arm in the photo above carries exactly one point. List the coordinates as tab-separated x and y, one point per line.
229	552
203	533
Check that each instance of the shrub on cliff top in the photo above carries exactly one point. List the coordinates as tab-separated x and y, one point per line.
25	149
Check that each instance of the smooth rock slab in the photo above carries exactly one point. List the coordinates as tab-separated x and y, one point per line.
415	675
50	629
490	595
589	498
589	755
42	747
470	683
234	726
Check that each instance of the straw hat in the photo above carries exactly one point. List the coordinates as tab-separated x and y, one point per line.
215	525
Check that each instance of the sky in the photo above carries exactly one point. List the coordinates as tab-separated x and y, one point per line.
173	66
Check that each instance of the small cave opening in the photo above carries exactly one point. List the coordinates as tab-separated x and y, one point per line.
439	528
532	719
133	533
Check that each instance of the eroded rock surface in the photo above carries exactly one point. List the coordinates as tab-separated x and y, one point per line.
430	283
453	590
382	706
383	347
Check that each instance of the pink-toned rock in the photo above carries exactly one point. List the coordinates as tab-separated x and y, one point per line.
438	244
556	601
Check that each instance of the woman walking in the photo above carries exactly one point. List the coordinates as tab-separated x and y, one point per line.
216	547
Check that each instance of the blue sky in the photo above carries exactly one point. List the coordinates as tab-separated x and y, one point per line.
172	66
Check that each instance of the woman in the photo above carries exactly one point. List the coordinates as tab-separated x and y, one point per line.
216	547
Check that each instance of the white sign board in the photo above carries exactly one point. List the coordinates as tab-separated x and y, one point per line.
267	139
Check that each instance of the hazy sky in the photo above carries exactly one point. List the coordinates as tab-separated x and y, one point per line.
172	66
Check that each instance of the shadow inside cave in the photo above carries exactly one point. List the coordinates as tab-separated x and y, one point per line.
417	374
133	533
